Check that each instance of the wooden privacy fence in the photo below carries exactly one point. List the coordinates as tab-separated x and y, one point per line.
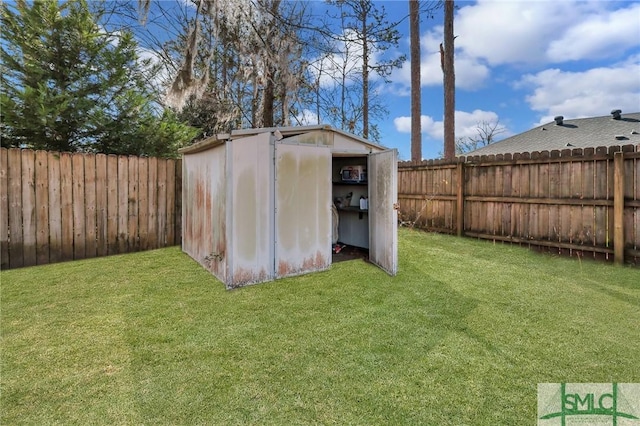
62	206
582	202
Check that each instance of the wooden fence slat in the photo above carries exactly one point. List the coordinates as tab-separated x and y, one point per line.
601	193
460	200
171	203
143	204
618	207
577	229
16	256
42	207
564	210
525	211
178	226
506	209
29	208
535	188
66	206
55	212
4	208
112	204
90	205
77	163
162	203
543	191
588	212
498	207
554	192
101	205
132	214
636	197
152	202
516	228
123	203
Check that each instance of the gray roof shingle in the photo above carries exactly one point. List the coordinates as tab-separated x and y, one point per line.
576	133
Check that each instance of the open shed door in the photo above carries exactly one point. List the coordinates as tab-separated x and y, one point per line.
302	203
383	216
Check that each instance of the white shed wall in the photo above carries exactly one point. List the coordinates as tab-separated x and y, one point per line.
251	214
204	209
303	209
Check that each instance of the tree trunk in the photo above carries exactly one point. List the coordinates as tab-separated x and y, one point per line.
365	78
269	98
416	110
449	83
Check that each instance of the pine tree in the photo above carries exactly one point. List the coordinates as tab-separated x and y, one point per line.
68	85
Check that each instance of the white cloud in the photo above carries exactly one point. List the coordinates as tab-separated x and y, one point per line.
403	124
513	32
466	123
598	35
589	93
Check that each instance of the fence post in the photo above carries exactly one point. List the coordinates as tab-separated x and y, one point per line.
460	200
618	208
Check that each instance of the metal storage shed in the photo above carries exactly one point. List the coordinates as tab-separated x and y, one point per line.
257	203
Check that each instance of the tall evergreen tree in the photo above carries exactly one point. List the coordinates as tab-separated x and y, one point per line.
68	85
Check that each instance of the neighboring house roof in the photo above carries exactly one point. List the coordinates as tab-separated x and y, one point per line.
569	134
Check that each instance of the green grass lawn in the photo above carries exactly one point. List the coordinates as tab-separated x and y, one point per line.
462	335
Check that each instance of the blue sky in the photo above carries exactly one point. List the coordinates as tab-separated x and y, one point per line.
522	63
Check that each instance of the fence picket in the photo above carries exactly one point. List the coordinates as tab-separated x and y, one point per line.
171	203
16	256
143	201
90	206
152	203
101	205
66	206
112	204
178	221
123	203
77	163
55	212
162	203
29	208
4	209
42	207
133	202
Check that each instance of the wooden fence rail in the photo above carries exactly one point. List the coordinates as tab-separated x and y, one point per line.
61	206
583	202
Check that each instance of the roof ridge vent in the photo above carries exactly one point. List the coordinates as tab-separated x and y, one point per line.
558	119
616	114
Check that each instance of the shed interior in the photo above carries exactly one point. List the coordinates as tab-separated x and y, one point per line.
353	223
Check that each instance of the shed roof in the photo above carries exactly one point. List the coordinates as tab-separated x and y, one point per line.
284	131
575	133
